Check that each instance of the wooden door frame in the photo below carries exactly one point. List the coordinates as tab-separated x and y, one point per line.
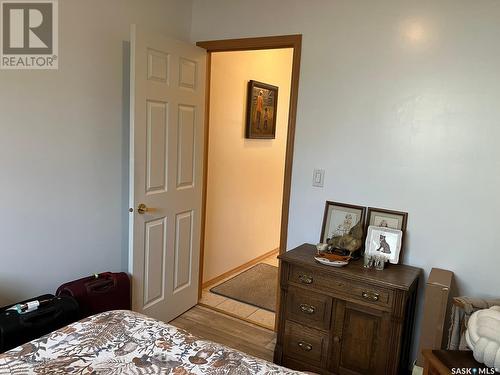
246	44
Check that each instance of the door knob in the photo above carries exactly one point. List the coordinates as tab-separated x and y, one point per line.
142	209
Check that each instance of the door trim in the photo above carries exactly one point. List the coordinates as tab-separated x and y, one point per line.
245	44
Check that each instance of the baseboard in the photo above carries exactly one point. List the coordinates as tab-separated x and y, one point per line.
238	269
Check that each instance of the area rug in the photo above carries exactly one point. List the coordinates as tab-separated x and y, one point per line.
256	286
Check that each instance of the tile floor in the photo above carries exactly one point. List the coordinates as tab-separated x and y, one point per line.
239	309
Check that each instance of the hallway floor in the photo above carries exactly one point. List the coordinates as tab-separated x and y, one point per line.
235	333
238	309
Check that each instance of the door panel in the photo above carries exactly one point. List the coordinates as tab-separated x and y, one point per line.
361	334
185	142
360	349
166	149
154	261
187	74
158	66
183	250
156	143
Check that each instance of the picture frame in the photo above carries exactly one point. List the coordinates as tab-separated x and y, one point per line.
340	218
393	219
262	105
384	242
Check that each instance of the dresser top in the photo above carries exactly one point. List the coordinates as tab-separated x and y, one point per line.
397	276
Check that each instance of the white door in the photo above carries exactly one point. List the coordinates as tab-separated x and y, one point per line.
166	151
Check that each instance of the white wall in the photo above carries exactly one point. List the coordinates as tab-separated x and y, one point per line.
64	148
399	103
245	176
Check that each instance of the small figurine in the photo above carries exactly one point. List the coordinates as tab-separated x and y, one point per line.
351	241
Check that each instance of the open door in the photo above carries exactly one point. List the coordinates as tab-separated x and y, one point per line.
167	105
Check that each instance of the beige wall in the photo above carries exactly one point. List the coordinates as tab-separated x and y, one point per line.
245	176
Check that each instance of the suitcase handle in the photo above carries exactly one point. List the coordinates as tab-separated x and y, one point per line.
100	286
50	314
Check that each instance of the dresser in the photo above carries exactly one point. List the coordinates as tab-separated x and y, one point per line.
348	320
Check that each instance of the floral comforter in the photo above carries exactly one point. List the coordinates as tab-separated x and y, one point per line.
124	342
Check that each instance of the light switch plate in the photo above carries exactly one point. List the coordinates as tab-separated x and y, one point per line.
318	177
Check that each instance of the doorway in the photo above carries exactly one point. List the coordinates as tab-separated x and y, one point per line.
222	268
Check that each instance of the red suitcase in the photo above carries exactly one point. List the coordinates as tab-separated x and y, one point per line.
103	292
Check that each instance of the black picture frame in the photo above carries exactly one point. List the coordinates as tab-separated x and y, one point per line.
262	105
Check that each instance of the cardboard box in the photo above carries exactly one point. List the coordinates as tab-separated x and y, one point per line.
435	322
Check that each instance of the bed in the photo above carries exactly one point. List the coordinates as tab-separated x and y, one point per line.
124	342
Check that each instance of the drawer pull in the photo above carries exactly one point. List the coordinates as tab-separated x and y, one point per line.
305	279
371	296
305	346
307	309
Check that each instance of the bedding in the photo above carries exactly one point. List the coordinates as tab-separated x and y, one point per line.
124	342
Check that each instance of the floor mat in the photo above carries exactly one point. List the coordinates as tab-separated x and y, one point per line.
256	286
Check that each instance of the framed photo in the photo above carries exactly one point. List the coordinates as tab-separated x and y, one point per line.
340	218
262	102
385	242
381	217
386	218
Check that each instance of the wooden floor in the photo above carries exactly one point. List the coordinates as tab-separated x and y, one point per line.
235	333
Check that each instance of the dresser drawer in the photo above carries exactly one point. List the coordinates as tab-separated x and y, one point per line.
309	308
302	366
373	295
313	279
349	288
306	344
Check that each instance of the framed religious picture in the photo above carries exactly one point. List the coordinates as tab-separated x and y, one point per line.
381	217
386	218
340	218
384	242
262	102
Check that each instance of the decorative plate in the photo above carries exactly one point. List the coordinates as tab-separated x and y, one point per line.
335	263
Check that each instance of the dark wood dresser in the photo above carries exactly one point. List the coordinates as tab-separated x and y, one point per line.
349	320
